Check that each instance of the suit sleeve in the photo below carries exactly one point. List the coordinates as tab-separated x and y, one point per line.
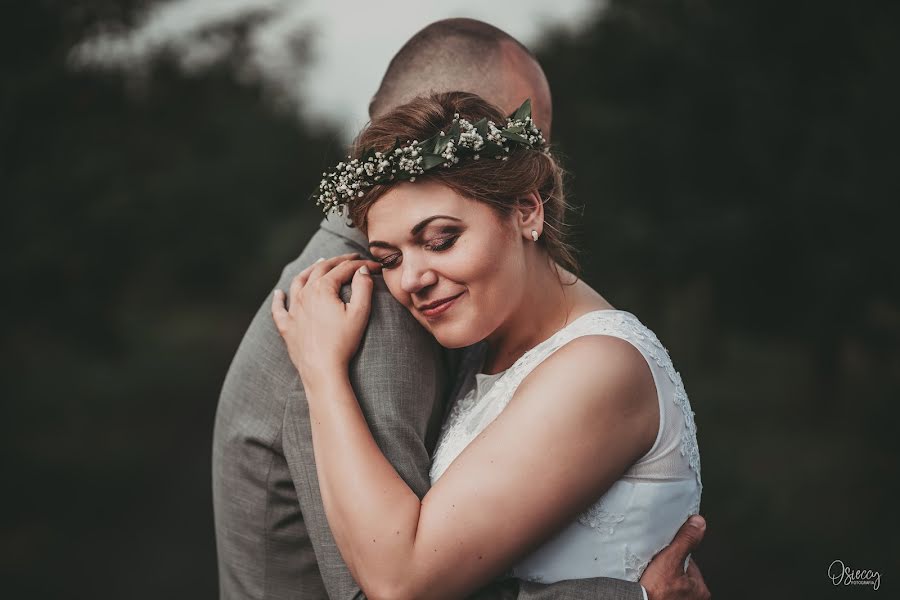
598	588
400	380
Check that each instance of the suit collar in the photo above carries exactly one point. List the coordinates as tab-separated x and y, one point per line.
338	226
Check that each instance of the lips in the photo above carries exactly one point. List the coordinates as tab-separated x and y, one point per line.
432	309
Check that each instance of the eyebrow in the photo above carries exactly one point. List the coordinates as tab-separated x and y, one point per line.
417	228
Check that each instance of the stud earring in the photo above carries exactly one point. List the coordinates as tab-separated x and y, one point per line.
534	234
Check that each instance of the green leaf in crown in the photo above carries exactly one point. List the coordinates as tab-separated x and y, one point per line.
404	162
523	112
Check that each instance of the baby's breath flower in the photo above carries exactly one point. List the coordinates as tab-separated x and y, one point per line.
351	177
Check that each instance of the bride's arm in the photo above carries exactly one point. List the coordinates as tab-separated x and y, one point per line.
574	426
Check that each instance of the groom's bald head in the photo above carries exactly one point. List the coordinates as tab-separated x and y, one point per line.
466	55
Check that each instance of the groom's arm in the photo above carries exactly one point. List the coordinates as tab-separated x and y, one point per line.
598	588
664	579
581	589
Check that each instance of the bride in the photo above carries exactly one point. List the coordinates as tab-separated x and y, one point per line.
570	448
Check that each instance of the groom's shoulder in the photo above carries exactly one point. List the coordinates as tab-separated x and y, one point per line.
323	244
262	341
261	359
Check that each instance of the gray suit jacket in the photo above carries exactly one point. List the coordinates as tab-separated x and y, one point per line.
272	537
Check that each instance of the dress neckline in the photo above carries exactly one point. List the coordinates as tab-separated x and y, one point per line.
488	376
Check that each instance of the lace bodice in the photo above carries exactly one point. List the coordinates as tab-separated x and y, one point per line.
639	514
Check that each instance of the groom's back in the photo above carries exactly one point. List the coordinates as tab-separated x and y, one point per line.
261	538
272	537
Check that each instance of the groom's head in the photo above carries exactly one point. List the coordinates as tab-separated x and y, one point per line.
466	55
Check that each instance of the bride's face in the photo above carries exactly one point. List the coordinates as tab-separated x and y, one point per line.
454	263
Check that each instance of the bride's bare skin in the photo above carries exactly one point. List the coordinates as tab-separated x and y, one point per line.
595	397
512	295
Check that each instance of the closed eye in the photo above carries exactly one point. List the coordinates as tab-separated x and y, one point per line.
440	244
390	261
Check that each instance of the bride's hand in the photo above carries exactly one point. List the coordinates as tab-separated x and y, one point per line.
320	331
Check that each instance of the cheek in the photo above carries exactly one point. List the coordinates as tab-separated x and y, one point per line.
476	263
392	279
494	276
497	263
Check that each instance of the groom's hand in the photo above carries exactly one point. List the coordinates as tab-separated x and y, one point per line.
665	577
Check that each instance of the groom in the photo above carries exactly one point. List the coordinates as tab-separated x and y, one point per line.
272	537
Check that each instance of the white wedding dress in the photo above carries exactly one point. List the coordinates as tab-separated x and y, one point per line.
638	516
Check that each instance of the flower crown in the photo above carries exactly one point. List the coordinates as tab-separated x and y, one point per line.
404	162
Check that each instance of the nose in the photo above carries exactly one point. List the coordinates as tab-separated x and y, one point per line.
416	275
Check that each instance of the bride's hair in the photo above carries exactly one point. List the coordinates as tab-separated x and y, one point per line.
498	183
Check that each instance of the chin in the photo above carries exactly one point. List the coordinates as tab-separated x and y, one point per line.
454	334
453	342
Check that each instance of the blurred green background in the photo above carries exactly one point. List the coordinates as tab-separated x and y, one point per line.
738	171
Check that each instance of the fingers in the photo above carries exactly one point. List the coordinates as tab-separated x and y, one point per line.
693	571
321	267
279	312
687	539
313	272
697	582
333	272
343	272
361	293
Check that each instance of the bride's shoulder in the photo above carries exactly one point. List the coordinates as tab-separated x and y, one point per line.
598	382
589	355
595	368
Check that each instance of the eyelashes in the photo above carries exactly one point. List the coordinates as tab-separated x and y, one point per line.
437	245
443	243
390	261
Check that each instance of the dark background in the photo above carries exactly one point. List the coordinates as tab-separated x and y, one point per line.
737	166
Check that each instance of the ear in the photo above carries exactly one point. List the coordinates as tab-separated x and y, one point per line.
530	214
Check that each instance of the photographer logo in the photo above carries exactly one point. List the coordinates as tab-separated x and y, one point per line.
841	574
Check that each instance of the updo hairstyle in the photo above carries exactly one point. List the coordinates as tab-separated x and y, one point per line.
498	183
